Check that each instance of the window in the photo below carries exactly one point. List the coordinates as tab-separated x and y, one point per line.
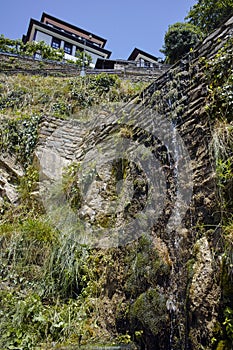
34	36
68	48
147	64
56	43
140	62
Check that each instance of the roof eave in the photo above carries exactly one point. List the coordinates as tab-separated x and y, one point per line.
46	15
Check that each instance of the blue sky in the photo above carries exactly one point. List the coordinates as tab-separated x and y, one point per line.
125	24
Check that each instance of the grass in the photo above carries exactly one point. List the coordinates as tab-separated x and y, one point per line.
27	95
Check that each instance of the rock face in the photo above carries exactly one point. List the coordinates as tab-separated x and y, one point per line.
11	170
144	178
204	293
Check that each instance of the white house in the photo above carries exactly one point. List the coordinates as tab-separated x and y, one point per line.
59	34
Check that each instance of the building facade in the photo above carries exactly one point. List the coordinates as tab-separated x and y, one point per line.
59	34
143	59
137	59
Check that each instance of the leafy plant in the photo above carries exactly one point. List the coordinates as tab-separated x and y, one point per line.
32	95
19	136
149	311
103	82
9	45
220	79
30	49
179	40
71	185
228	322
146	268
210	14
28	323
83	58
66	268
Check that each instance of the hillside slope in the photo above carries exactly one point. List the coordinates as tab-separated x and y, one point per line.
116	208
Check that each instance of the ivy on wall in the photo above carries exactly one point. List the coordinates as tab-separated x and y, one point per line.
19	136
220	82
219	108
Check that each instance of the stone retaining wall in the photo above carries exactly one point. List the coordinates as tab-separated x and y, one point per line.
15	64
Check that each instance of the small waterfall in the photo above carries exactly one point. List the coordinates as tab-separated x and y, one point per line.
176	211
175	149
182	179
170	304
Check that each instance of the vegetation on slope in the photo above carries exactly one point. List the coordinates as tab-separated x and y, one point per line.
23	95
53	291
208	15
220	108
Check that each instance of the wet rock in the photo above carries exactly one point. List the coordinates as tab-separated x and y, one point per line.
204	294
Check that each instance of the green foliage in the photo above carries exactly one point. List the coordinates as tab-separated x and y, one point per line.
222	142
28	323
210	14
25	237
30	49
228	255
25	247
103	82
179	40
66	269
28	184
32	95
220	108
220	78
19	136
80	94
43	50
47	287
52	287
83	58
71	186
224	172
14	99
9	45
149	310
146	268
124	339
222	146
228	322
61	108
224	331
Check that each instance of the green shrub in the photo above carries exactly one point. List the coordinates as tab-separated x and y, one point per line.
66	268
103	82
19	136
220	79
149	310
28	323
146	269
179	40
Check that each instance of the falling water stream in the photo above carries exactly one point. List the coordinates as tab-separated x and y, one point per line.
176	222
